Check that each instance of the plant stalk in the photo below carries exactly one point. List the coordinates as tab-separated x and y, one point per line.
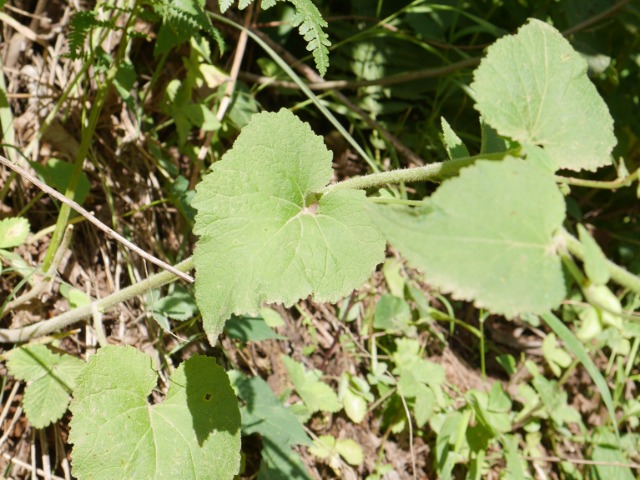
434	172
59	322
616	272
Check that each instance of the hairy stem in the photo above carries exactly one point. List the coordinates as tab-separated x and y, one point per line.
59	322
434	172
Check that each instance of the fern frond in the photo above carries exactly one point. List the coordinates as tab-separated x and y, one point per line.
226	4
310	25
183	18
81	25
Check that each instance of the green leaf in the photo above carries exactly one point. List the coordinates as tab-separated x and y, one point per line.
178	304
181	20
250	329
448	437
392	314
225	5
497	221
453	144
328	447
264	237
491	142
323	446
315	394
508	362
515	468
414	370
607	456
75	297
350	450
52	377
355	406
272	318
424	405
492	410
394	277
265	414
555	356
13	232
595	262
310	25
57	173
193	433
125	80
279	427
280	463
533	87
82	23
606	304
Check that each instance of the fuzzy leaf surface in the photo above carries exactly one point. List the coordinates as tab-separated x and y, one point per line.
487	236
193	433
259	239
52	378
533	87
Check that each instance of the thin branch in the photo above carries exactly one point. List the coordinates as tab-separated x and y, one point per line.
386	81
605	185
91	218
596	18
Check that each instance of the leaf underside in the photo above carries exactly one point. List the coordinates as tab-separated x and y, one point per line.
263	240
533	87
493	245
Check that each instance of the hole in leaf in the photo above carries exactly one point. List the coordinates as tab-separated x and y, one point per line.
207	397
311	209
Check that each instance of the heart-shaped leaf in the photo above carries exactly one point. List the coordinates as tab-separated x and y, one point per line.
193	433
487	236
264	236
533	87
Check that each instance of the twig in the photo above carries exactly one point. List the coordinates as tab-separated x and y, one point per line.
596	18
26	466
386	81
410	423
91	218
606	184
5	410
14	420
46	460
